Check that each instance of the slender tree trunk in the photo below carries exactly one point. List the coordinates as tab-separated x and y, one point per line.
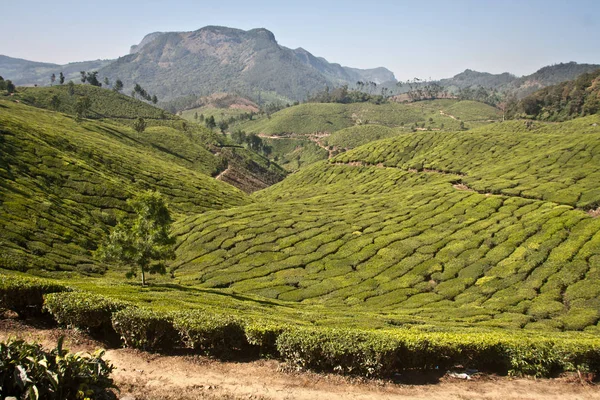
143	277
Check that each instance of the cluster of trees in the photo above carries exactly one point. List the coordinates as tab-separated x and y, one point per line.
343	95
419	89
7	85
137	89
566	100
253	141
61	78
488	96
90	77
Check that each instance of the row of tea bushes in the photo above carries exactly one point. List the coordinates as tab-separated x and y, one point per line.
372	353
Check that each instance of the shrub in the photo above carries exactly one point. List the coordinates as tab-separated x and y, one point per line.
145	329
263	335
25	295
214	334
352	352
82	310
28	371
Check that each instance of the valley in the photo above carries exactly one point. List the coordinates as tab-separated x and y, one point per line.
263	223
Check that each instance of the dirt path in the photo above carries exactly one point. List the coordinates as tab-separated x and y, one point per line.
147	376
221	174
448	115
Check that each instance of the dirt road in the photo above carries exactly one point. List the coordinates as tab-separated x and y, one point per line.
142	375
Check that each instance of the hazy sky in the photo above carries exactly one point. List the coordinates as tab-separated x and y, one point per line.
421	38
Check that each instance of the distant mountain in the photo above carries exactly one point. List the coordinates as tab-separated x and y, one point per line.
344	75
546	76
24	72
219	59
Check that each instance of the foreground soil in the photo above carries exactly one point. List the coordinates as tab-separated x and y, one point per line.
141	375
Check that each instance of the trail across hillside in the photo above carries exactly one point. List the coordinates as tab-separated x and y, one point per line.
140	375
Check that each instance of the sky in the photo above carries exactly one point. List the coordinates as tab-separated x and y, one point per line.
424	39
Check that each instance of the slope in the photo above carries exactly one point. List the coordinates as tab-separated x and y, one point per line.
564	101
406	227
188	144
330	117
63	183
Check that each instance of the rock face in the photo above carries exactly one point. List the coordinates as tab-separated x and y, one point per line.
219	59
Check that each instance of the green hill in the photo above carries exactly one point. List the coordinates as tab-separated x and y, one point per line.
488	228
64	182
426	249
358	135
564	101
330	117
188	144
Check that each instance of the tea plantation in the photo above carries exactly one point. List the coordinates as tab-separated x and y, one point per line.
315	117
424	250
64	182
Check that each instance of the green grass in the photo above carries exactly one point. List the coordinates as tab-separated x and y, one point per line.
549	163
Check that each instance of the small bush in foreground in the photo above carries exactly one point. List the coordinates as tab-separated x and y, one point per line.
82	310
29	372
25	296
145	329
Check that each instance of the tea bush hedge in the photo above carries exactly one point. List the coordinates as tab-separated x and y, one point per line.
25	295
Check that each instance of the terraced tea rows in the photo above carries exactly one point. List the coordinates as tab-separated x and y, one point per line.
63	182
544	164
315	117
402	240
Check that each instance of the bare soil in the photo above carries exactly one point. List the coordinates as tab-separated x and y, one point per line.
141	375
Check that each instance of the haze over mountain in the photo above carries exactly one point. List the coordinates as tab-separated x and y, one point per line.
182	65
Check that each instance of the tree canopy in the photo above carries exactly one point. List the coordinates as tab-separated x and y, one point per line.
142	241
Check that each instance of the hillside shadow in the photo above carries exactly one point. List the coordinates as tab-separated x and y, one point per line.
174	286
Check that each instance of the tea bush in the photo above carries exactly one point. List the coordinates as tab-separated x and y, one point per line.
213	334
25	295
145	329
27	371
82	310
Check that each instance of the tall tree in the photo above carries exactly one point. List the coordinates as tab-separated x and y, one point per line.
61	78
52	79
83	76
92	78
55	102
82	106
143	241
118	85
71	88
210	122
154	99
139	125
